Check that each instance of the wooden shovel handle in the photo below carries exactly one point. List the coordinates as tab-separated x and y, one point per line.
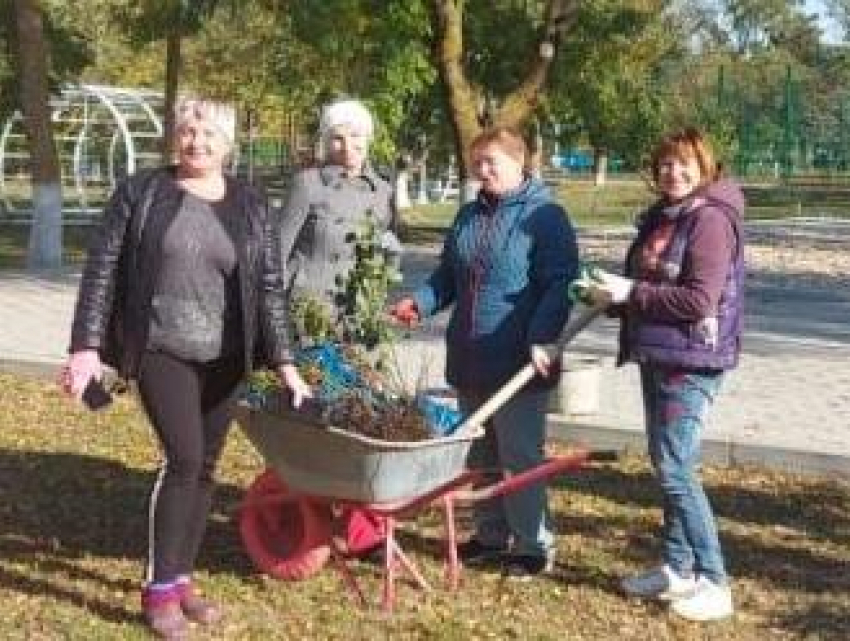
518	380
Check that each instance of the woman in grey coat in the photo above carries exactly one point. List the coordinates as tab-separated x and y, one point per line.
329	203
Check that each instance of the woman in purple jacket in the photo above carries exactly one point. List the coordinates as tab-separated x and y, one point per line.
681	307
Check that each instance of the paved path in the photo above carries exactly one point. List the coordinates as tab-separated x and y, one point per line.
787	406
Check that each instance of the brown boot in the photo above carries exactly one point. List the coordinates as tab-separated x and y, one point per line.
164	615
197	608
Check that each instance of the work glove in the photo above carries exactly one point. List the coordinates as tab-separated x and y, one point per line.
79	369
595	286
290	377
406	312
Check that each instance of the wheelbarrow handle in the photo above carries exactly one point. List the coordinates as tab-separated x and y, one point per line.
519	380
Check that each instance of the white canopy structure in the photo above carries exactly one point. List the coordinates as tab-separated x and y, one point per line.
102	135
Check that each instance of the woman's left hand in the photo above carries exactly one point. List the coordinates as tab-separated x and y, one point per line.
292	379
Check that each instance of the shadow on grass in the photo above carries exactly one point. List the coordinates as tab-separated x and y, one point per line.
64	506
819	509
27	584
793	538
821	621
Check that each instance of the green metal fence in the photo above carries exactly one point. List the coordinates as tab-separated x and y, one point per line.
789	130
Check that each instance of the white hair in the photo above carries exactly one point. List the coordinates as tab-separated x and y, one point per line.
345	113
220	114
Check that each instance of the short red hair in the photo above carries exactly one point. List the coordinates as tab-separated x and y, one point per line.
686	143
509	140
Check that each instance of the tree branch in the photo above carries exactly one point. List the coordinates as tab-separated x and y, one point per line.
518	105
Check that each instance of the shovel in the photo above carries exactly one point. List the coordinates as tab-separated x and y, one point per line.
477	419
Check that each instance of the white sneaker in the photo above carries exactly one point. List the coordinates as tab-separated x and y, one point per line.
709	601
659	583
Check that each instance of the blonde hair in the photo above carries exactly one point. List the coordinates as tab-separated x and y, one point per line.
685	143
221	115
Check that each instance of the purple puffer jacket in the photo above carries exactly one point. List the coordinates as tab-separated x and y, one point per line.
699	283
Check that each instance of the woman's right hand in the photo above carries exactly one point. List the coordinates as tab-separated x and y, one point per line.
79	369
406	311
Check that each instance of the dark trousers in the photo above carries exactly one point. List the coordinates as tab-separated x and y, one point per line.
190	407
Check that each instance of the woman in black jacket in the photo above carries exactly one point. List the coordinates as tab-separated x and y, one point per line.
182	292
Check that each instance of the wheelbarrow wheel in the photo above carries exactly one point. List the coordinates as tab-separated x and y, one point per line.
285	535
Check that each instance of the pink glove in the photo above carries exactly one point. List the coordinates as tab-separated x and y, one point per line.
406	312
79	369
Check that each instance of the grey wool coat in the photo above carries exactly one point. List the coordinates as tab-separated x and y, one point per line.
318	224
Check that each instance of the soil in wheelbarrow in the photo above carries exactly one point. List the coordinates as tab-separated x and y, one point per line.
397	421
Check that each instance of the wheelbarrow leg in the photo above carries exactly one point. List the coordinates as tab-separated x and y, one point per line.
351	583
452	572
394	556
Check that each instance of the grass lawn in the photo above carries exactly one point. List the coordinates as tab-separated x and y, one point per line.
14	238
617	203
73	487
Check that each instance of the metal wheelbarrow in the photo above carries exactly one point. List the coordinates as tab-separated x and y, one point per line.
317	472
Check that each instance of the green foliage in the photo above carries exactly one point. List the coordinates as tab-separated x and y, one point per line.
366	289
70	53
358	317
498	63
628	69
154	19
377	51
604	77
311	318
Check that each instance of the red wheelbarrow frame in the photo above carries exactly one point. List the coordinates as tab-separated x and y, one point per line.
316	544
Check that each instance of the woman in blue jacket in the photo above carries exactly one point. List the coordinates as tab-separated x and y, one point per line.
505	266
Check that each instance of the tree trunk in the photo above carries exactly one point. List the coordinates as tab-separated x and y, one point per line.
465	100
45	240
402	189
422	190
173	65
600	166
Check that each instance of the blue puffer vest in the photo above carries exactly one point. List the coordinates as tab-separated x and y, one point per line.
682	344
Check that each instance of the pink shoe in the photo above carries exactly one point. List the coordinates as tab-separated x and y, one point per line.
197	608
164	615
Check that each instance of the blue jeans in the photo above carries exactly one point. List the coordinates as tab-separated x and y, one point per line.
676	402
513	443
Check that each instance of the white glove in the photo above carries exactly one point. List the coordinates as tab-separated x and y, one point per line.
617	288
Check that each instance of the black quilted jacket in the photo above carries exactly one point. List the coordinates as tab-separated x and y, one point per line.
112	314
